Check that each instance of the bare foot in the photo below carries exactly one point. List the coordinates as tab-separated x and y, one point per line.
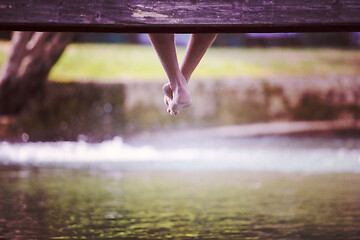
167	101
181	99
168	97
178	99
167	90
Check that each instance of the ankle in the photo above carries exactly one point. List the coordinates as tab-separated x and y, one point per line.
186	75
177	82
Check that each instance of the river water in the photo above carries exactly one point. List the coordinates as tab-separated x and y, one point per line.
228	188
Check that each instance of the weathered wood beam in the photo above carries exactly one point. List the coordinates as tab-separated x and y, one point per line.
182	16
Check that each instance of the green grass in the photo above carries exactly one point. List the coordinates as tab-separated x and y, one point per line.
114	62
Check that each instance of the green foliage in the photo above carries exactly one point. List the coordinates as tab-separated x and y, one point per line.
312	107
71	109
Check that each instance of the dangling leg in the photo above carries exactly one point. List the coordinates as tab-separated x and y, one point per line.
165	48
197	47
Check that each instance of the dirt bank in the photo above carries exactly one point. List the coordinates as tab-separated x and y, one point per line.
95	112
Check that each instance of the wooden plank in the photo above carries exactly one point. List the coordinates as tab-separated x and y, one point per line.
180	16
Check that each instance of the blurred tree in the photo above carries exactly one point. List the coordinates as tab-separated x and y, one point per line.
25	73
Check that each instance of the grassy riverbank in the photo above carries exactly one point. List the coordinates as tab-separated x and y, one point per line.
239	86
115	62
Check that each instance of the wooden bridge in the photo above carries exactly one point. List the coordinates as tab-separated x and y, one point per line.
180	16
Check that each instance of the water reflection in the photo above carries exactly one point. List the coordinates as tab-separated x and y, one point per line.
254	188
57	203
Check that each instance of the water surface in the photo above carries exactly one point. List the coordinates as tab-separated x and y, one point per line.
269	188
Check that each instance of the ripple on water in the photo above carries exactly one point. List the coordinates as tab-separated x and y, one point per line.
261	154
61	203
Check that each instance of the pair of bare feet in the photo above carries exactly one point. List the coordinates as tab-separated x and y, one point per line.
177	96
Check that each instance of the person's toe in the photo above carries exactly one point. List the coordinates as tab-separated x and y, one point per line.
166	100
